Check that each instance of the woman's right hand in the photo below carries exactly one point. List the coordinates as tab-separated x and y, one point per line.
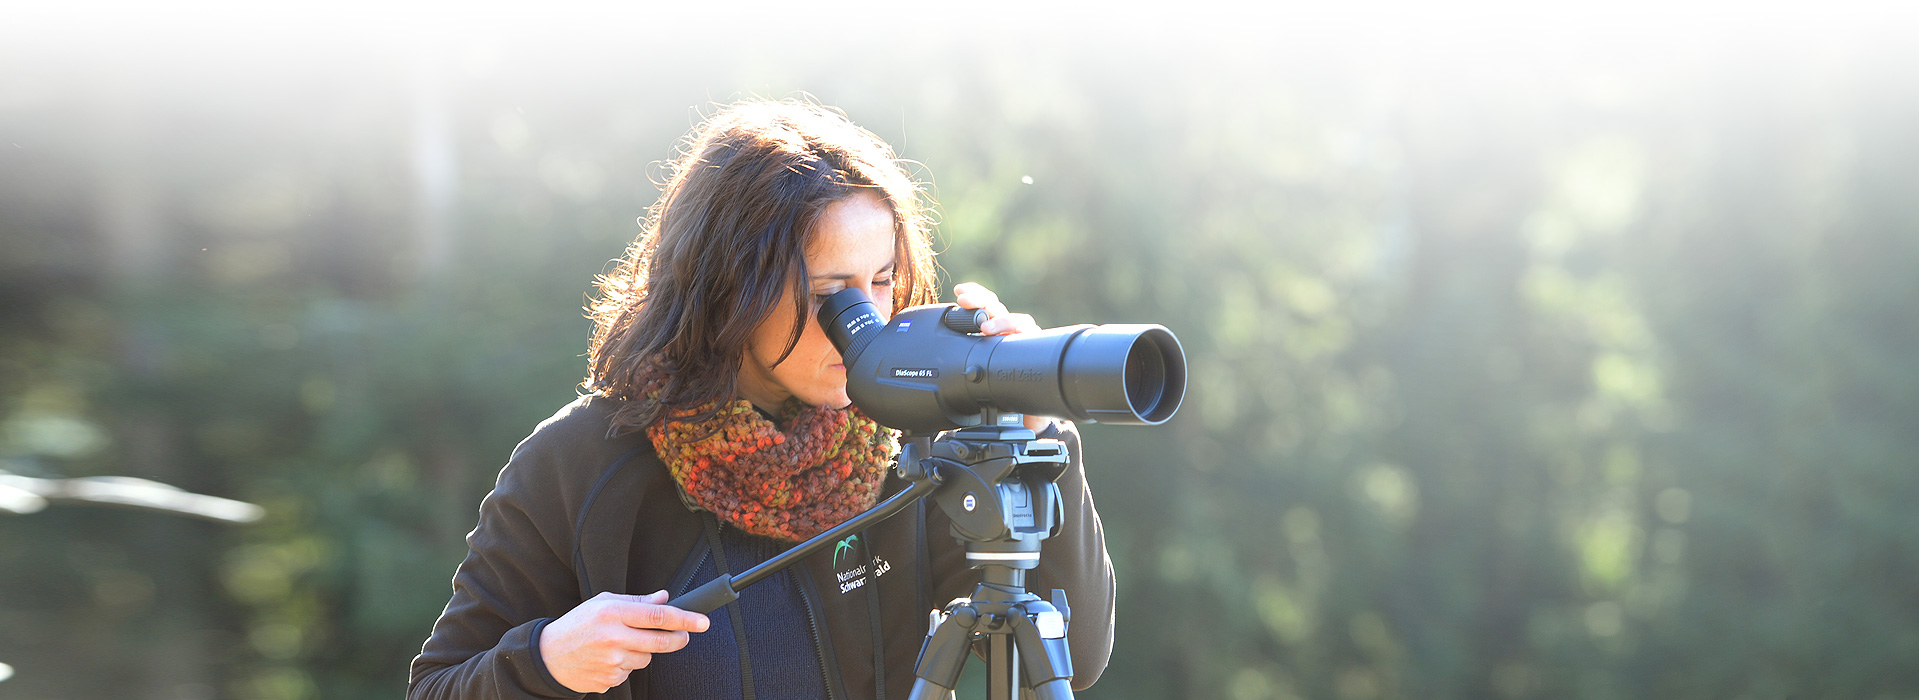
594	646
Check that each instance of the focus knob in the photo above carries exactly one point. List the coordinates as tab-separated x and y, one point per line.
964	320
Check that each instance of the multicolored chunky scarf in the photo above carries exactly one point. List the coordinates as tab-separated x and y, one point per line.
816	468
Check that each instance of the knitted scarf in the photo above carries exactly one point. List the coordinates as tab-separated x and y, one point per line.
816	468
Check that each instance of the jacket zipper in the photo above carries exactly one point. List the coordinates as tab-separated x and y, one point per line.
819	648
684	587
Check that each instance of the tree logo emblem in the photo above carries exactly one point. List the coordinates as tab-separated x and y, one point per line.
845	546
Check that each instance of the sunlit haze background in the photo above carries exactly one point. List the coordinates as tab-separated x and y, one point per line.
1537	350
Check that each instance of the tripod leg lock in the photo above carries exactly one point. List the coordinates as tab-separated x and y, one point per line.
1051	624
1046	657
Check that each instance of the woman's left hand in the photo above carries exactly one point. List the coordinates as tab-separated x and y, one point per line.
999	321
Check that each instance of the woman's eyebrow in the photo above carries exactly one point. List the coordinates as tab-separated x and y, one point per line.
848	275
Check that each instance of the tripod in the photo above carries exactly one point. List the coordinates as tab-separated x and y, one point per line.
996	483
1025	636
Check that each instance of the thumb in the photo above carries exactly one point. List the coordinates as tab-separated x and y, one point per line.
656	597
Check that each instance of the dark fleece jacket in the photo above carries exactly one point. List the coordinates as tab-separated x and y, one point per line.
575	513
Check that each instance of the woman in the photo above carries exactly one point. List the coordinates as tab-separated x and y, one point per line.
717	434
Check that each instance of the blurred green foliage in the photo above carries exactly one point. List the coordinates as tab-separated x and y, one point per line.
1537	382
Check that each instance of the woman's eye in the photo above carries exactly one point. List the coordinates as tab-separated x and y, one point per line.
883	283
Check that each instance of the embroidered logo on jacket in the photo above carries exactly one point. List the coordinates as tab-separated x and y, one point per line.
856	576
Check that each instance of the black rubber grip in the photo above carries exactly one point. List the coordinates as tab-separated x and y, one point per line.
708	597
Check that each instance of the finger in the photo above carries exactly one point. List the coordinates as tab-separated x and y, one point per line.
607	677
973	296
635	661
601	682
1009	324
651	641
645	641
650	616
654	598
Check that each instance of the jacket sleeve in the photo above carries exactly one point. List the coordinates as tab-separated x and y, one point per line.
1074	561
516	578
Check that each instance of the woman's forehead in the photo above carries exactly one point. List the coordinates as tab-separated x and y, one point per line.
853	237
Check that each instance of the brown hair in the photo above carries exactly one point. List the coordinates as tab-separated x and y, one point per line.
727	239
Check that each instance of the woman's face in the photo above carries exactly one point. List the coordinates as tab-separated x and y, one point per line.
852	246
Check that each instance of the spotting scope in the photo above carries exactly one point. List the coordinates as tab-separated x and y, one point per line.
929	368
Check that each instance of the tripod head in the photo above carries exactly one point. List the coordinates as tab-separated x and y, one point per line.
998	489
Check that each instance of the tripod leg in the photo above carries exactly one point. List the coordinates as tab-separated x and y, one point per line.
943	654
1002	668
1048	664
923	690
1056	689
